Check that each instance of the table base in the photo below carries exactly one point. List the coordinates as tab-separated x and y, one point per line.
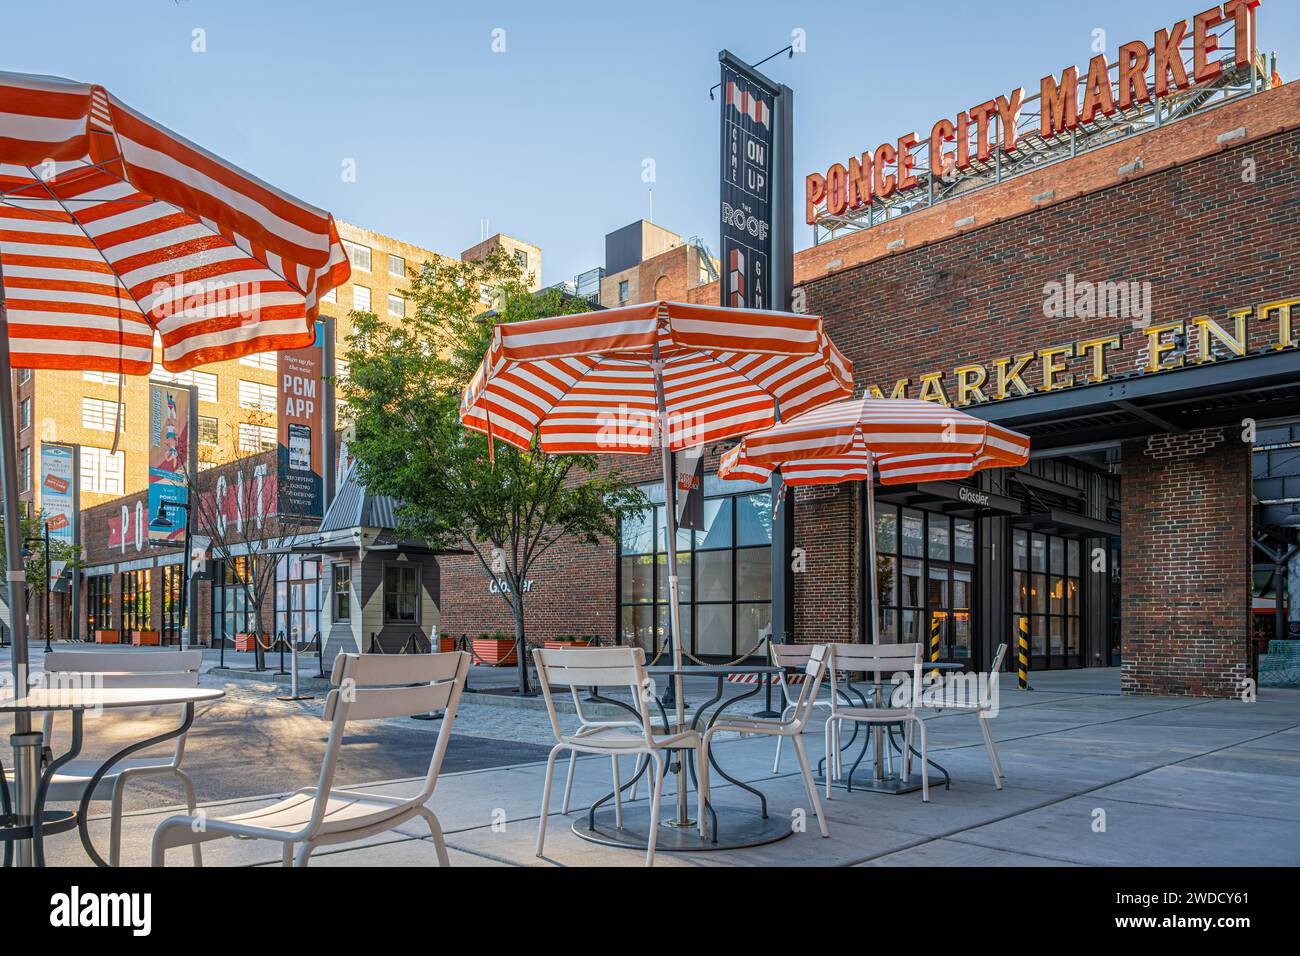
737	829
889	783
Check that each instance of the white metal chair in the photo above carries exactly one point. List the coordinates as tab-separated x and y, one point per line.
786	657
982	706
119	669
587	722
882	659
814	672
367	687
613	667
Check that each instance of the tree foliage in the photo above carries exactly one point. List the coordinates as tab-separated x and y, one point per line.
403	392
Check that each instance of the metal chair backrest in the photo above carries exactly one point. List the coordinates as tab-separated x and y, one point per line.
788	657
378	686
883	660
594	667
121	669
994	668
814	671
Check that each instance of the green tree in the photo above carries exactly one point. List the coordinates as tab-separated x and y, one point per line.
403	391
38	575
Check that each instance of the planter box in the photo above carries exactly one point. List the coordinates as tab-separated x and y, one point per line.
245	642
146	638
446	644
567	645
495	653
107	637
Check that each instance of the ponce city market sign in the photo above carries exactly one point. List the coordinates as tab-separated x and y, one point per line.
892	168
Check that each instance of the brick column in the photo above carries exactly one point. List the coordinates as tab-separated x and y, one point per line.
1186	564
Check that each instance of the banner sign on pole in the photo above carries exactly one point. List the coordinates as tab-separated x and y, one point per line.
688	471
199	553
300	439
169	450
747	149
57	505
57	582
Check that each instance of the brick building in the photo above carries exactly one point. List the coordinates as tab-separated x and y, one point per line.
1132	307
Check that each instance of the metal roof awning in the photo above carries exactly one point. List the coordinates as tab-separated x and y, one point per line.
1067	523
950	497
1264	385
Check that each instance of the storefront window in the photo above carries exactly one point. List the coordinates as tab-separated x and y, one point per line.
297	603
342	574
99	603
924	577
1046	586
232	611
724	573
135	600
171	603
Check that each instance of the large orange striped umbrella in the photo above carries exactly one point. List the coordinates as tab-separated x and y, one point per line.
903	439
113	228
609	382
114	231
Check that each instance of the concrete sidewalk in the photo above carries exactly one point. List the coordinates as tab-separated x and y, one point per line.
1093	778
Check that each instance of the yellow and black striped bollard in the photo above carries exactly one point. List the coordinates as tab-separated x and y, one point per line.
1024	655
936	624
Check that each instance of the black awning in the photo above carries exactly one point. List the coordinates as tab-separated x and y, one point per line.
1067	523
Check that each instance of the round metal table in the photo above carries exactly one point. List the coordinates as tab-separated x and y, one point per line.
21	824
729	827
879	781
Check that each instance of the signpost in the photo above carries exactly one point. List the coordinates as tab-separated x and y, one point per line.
169	452
757	213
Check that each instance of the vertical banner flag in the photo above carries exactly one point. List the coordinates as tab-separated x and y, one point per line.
300	439
688	471
747	136
169	450
199	545
57	505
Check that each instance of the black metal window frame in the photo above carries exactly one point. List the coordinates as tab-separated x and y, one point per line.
171	603
297	597
689	565
231	610
99	603
136	600
935	553
1051	595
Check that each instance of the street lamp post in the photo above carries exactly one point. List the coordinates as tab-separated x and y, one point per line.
185	566
44	540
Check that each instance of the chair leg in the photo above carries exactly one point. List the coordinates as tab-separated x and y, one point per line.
546	797
192	804
702	791
568	780
925	764
435	831
115	822
799	751
618	794
776	763
993	752
830	759
286	855
303	855
636	781
656	795
907	751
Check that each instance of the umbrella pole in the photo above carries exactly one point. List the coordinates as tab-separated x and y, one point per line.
24	781
873	598
674	607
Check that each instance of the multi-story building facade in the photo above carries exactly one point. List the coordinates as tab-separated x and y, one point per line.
645	262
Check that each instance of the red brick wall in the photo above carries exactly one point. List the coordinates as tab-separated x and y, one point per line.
1185	593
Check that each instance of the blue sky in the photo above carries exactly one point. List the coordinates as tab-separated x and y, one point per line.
546	140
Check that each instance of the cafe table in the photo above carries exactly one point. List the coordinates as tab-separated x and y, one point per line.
27	820
729	827
879	781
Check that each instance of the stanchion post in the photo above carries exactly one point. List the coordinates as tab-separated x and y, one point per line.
1023	655
936	626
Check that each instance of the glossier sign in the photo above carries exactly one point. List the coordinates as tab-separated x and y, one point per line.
1145	71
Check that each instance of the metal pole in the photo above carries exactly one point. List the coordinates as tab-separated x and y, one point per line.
185	637
24	777
670	522
75	580
45	546
190	601
873	596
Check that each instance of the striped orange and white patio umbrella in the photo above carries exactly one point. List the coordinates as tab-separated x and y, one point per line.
904	440
610	382
116	234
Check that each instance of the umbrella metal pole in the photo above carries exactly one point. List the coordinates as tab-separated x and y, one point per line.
872	597
24	776
670	521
